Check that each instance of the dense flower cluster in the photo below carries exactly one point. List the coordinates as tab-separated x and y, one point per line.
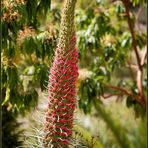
62	84
62	102
10	13
25	33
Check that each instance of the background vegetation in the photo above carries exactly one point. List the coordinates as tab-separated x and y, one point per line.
111	39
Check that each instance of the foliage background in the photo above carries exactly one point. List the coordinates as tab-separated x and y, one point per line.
106	58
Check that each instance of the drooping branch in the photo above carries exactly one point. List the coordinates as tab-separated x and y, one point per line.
111	95
126	92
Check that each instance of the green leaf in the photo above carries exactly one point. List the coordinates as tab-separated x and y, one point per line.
137	2
129	101
29	70
140	40
99	1
7	97
119	7
86	138
12	77
126	40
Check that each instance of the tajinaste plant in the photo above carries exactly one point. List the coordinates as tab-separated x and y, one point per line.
62	84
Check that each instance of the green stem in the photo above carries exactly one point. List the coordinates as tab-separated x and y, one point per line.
67	24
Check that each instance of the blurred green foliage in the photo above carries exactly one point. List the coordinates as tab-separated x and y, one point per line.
103	37
28	48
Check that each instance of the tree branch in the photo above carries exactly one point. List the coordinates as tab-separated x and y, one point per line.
111	95
140	68
125	91
129	65
128	93
131	27
144	55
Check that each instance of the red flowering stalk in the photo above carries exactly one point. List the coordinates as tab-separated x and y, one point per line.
62	83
